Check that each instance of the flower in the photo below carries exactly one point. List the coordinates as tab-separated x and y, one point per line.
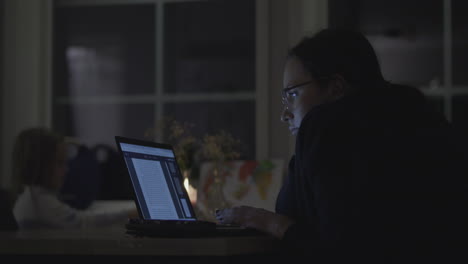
184	143
220	147
191	151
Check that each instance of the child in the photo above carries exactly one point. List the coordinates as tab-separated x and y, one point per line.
40	164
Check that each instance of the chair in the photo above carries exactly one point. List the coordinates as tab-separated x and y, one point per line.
81	184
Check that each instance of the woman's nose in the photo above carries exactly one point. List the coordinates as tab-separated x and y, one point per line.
286	115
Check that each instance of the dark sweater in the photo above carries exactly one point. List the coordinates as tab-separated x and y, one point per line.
376	175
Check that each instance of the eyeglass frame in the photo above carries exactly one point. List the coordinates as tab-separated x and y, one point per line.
284	92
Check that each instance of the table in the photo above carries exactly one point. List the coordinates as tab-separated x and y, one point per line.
114	244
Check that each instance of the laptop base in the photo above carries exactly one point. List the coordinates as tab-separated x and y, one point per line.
181	229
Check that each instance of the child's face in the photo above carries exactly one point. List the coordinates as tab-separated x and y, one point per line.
60	167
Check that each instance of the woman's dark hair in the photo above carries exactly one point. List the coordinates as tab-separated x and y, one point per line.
343	52
34	153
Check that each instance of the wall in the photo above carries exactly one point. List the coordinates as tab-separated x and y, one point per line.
25	54
2	23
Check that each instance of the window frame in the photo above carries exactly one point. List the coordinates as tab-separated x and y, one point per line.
447	91
159	98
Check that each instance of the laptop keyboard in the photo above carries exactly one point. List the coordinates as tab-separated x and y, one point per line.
139	221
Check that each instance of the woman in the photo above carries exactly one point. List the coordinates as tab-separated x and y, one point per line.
40	164
375	174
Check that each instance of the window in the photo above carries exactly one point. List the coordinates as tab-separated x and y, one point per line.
420	43
120	68
459	62
104	71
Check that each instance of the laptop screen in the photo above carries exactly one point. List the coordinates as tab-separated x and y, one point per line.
156	180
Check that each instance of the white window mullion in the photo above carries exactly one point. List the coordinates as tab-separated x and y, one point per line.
447	44
262	136
159	61
47	21
151	99
100	2
108	99
209	97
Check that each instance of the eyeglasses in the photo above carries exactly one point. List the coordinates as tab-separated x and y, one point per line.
287	97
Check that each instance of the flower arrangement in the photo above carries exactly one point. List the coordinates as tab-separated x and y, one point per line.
220	147
184	143
191	151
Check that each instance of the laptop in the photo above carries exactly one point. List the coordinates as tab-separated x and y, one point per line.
163	204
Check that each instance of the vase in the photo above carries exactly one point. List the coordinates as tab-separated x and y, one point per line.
216	198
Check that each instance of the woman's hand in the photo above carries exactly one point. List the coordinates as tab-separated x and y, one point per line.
257	218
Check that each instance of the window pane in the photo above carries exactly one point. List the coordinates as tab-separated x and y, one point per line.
460	112
460	43
99	123
437	102
104	50
407	36
460	117
237	118
209	46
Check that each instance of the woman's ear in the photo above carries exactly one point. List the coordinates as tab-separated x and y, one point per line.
337	86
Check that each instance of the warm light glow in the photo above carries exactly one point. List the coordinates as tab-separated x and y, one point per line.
192	192
186	184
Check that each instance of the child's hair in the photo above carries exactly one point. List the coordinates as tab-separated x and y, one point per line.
34	156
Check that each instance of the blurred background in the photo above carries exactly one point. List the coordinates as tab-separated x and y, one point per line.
93	69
